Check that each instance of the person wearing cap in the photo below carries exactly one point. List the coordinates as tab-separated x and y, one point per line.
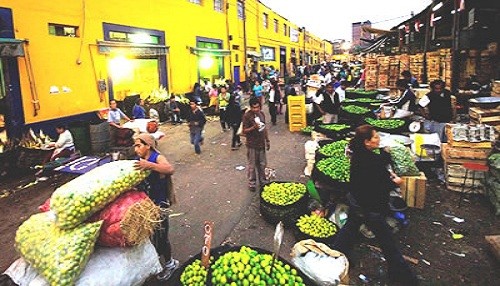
196	121
158	186
328	104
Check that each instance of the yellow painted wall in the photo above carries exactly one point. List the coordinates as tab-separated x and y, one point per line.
76	63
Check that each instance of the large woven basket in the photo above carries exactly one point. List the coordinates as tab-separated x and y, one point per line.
287	214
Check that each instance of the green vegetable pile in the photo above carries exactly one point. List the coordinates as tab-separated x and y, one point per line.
316	226
307	129
337	168
335	127
195	274
385	123
369	100
355	109
404	165
362	92
81	197
283	194
58	255
334	149
249	267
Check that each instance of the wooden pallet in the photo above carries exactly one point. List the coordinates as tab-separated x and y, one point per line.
449	152
464	144
485	116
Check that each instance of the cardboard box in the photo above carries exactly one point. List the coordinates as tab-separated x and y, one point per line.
413	190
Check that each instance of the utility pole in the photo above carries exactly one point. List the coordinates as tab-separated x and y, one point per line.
244	39
229	38
455	35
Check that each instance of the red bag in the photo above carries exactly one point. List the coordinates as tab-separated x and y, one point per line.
152	126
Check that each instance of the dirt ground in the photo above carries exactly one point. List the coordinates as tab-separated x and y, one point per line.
426	238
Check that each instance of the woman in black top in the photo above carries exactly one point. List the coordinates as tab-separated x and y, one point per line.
370	185
233	118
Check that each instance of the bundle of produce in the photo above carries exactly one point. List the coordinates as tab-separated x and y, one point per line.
387	125
315	227
334	168
243	266
334	149
404	164
283	201
307	130
128	220
83	196
59	255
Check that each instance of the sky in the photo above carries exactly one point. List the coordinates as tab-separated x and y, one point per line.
332	19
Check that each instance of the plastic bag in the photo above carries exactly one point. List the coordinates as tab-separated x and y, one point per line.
323	265
128	220
404	164
130	266
59	255
81	197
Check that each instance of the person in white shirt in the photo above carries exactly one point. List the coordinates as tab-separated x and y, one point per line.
341	90
64	145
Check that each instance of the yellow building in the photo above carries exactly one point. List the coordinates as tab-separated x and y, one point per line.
61	61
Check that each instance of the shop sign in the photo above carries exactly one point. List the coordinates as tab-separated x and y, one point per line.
267	53
294	35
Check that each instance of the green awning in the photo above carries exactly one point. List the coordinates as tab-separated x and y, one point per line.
11	47
133	49
210	52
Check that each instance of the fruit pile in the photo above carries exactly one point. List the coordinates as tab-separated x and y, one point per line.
353	109
337	168
283	194
307	129
195	274
58	255
78	199
385	123
316	226
249	267
336	148
334	127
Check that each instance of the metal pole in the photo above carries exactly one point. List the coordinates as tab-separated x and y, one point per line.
244	39
425	76
455	66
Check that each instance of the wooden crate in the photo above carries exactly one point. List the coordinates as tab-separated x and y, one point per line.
485	116
455	174
449	152
413	190
464	144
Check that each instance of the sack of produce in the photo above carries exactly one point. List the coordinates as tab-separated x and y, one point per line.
315	227
83	196
404	164
131	266
325	266
59	255
128	220
283	201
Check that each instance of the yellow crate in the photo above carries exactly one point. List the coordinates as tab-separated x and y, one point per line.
296	112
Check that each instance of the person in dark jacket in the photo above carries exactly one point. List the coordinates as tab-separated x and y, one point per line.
410	79
328	104
370	184
233	117
196	121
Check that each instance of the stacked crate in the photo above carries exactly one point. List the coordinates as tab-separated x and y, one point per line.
485	116
417	66
485	66
404	62
433	66
393	71
445	55
371	68
455	153
297	112
383	72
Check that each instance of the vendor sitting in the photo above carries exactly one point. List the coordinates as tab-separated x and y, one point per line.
64	145
405	104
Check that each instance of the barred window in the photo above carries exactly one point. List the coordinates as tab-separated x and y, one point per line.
276	26
241	11
63	30
219	5
265	20
195	1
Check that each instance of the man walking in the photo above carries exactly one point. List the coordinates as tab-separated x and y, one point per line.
257	141
196	122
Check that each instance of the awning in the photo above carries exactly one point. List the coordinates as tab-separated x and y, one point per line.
376	45
11	47
210	52
133	49
377	31
254	54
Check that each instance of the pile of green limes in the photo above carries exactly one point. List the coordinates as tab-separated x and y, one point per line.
334	127
283	194
316	226
337	168
385	123
336	148
355	109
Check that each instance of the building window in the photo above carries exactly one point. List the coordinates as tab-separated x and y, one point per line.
63	30
218	5
236	57
285	29
265	20
276	26
140	38
195	1
241	10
